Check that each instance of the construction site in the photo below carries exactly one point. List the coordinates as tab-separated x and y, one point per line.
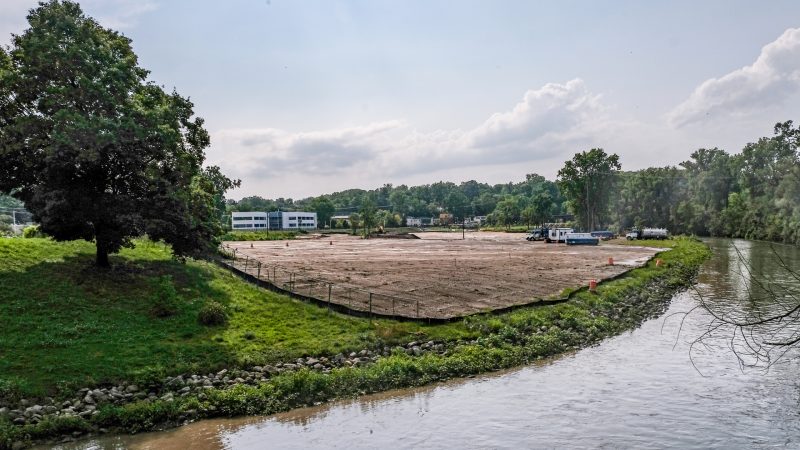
432	275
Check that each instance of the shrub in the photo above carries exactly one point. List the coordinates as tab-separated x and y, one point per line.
212	313
165	300
32	232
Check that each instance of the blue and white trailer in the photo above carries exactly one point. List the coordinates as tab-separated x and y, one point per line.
582	239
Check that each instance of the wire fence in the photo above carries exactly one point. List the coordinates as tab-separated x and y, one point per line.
354	299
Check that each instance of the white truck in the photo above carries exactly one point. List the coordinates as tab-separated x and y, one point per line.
647	233
558	234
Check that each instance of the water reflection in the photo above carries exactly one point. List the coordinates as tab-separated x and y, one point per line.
636	390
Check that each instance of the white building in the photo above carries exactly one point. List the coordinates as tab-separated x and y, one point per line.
252	220
276	220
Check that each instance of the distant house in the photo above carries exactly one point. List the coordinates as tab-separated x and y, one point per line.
275	220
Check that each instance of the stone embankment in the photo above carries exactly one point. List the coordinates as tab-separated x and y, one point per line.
86	402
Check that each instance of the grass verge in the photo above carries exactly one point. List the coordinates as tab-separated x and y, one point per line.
52	290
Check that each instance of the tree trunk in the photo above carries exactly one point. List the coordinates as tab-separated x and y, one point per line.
102	255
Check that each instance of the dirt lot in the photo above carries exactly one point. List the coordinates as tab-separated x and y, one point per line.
437	276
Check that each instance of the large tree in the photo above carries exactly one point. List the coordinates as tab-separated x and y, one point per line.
587	181
324	208
96	151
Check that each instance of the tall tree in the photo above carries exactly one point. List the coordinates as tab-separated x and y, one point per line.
367	213
586	181
94	150
324	208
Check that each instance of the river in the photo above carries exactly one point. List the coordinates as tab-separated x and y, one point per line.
637	390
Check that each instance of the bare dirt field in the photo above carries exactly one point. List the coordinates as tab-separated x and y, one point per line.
436	276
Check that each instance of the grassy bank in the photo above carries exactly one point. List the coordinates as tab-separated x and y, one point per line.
70	326
67	325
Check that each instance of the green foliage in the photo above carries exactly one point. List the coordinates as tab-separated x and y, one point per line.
754	194
164	299
7	201
31	232
96	151
468	199
324	208
355	222
213	314
368	213
587	181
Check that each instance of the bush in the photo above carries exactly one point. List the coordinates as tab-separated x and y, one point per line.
212	313
165	298
32	232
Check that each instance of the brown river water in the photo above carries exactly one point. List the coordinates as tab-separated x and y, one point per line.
637	390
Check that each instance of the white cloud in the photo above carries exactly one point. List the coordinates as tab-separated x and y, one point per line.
766	83
549	121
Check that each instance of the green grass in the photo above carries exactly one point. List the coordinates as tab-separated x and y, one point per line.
67	324
655	243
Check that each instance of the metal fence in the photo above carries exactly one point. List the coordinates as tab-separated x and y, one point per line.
326	292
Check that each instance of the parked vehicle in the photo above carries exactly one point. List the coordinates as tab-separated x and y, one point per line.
647	233
558	234
581	239
538	234
603	234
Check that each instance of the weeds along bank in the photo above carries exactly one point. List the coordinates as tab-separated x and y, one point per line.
73	329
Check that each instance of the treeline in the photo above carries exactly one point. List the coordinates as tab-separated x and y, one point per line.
532	201
754	194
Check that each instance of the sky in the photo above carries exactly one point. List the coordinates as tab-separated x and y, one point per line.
304	98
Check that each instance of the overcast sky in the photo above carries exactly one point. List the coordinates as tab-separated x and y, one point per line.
309	97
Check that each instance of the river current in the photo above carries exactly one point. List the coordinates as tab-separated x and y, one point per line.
637	390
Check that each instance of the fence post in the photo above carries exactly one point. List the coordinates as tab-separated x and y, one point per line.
370	306
274	278
234	255
392	305
246	259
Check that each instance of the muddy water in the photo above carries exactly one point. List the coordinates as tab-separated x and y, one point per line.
638	390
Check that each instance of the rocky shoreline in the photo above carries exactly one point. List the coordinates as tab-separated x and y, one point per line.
87	401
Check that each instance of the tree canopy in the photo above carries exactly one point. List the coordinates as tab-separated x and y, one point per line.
587	181
95	150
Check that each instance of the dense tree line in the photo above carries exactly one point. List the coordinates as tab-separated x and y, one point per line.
532	201
753	194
